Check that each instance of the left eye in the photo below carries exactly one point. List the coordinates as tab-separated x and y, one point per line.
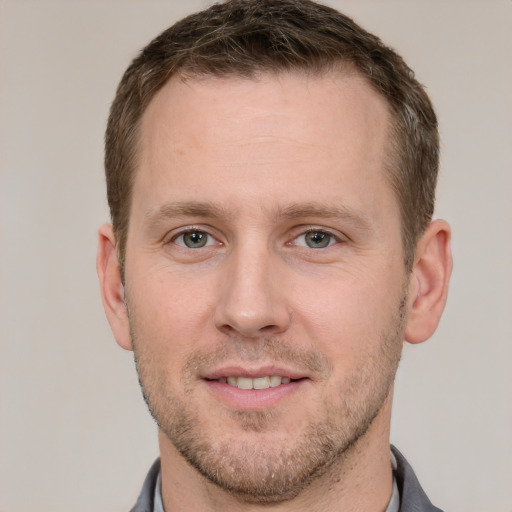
315	239
194	239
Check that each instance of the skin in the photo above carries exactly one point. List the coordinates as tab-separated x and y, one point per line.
259	169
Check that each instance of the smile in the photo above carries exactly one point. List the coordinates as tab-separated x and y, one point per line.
255	383
255	389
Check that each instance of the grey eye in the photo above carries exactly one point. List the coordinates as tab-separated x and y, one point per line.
194	239
315	239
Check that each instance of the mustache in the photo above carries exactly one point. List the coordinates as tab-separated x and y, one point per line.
269	350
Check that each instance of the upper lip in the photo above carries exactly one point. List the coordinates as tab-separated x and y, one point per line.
253	373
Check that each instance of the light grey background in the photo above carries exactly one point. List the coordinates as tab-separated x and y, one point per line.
74	432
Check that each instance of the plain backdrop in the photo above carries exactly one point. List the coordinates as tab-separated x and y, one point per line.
74	432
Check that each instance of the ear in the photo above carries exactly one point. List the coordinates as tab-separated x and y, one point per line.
429	282
111	285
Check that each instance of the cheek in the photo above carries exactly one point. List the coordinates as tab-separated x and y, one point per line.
170	299
168	318
347	317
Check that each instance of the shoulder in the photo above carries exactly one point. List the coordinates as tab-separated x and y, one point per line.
145	502
412	496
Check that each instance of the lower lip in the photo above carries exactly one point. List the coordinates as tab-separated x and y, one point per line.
254	399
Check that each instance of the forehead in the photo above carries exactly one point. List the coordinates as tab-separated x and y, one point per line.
271	135
322	100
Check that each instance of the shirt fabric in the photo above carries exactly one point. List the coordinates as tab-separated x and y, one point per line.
407	496
393	506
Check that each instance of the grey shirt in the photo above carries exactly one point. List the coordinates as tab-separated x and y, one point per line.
408	496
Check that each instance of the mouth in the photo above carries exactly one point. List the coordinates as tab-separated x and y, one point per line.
254	392
256	388
259	388
263	382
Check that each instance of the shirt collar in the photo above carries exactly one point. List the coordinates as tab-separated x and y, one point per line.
393	506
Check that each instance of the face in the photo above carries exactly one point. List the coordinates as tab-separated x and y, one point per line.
265	283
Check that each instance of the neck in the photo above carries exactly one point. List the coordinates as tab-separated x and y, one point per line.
361	480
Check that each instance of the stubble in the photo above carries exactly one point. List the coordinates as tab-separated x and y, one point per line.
258	472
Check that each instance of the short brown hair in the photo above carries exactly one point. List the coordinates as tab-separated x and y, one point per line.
245	37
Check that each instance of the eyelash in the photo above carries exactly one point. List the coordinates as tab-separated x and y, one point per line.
210	239
202	232
333	239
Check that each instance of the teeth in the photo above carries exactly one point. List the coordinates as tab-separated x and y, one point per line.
244	383
261	383
275	381
257	383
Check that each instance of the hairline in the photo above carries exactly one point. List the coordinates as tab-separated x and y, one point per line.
391	154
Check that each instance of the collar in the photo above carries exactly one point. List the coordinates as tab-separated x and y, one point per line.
411	497
393	505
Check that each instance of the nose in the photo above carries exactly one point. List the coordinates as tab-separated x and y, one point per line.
252	296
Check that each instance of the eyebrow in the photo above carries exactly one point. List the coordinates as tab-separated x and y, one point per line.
187	209
183	209
291	212
319	210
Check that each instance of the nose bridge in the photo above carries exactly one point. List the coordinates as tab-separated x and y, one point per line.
251	303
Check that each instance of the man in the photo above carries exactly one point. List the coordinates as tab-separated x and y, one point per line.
271	172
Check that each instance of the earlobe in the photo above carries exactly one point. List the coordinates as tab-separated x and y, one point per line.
429	282
111	285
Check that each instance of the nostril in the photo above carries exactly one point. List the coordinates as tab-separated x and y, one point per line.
251	316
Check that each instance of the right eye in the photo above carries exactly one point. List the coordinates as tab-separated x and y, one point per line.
194	239
316	239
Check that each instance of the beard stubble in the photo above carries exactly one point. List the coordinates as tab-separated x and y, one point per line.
262	473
